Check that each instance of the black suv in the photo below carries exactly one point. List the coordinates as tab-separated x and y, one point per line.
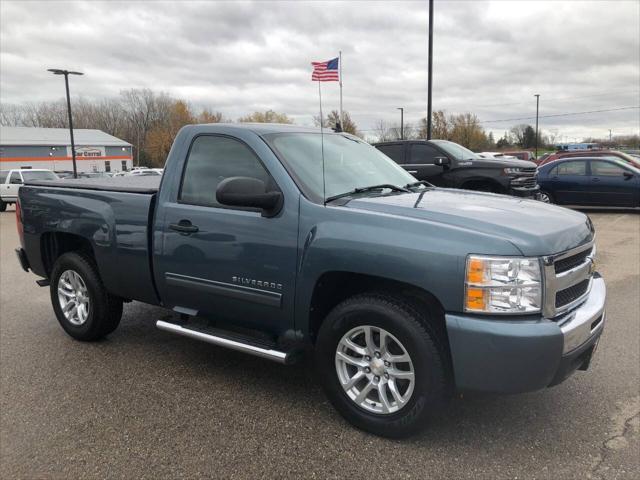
447	164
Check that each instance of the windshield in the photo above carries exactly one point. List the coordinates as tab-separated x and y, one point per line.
456	151
349	163
625	165
38	175
629	159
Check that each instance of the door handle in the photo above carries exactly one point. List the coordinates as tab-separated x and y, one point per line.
184	227
412	171
595	179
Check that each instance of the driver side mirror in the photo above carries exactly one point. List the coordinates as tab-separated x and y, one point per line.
249	193
627	175
442	161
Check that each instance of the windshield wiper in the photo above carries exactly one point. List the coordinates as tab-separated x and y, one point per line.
418	183
382	186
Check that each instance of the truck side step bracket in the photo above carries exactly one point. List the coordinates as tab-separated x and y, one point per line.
230	340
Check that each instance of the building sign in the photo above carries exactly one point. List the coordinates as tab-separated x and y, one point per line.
88	152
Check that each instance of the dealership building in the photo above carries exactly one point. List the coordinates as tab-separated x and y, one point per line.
50	148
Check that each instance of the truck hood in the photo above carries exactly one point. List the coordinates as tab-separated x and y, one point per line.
535	228
503	163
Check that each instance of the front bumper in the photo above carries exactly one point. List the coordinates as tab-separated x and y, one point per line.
511	355
525	191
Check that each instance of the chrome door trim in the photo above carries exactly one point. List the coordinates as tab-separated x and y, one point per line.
229	290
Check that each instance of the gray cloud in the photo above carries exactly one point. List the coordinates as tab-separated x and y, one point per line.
236	57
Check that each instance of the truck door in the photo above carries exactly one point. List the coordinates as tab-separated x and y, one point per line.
421	163
227	263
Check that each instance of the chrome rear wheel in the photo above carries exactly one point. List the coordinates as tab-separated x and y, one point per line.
73	297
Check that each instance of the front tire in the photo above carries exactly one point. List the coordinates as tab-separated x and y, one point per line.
84	308
3	206
545	197
383	365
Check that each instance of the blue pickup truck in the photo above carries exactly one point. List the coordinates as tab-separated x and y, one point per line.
278	240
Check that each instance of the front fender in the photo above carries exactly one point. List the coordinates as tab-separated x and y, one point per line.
425	254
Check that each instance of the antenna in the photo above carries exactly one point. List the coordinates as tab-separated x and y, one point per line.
324	187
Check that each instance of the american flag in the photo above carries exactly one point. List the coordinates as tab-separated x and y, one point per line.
326	71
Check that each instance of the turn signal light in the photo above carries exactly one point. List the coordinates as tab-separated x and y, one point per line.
475	272
476	299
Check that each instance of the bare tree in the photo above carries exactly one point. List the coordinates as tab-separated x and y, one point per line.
11	115
383	131
518	133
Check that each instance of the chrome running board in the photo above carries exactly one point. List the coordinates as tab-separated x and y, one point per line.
221	339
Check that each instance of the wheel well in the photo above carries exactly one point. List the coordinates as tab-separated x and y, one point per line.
55	244
483	182
334	287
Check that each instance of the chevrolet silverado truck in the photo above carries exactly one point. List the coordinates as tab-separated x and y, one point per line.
447	164
275	240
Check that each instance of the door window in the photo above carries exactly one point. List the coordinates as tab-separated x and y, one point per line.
422	154
213	159
571	168
15	178
606	169
3	175
395	152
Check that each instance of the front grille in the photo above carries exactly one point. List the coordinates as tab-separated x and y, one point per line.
572	261
529	182
530	171
568	295
525	182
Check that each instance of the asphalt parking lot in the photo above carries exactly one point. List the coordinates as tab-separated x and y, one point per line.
147	404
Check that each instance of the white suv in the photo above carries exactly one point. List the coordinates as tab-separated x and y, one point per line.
11	180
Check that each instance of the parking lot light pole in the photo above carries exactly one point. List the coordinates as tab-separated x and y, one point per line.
401	122
66	73
537	95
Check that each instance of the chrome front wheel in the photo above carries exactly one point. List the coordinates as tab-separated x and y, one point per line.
375	369
73	297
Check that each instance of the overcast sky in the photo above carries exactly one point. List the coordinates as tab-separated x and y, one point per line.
490	58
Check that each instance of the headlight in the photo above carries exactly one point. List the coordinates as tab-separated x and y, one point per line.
502	285
512	171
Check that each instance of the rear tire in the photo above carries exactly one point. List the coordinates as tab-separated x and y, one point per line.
407	330
3	206
84	308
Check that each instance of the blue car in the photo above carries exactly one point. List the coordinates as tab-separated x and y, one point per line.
590	181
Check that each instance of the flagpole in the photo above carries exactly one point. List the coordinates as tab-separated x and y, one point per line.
340	71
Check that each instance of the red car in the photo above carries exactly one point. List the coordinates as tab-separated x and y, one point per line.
593	153
522	155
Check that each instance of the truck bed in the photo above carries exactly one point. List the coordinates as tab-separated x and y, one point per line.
130	184
112	216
